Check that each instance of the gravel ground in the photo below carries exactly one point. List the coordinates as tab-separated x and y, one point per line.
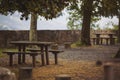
93	53
78	57
89	53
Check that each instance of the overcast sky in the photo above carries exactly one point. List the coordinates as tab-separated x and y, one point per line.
60	23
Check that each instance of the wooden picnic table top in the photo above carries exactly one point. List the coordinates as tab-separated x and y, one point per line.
101	37
104	33
30	43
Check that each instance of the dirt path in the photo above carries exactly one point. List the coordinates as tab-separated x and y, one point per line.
79	63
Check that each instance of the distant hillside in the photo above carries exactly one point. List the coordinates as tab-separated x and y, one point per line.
5	27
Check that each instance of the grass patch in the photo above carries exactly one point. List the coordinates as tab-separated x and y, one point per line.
77	44
1	50
6	49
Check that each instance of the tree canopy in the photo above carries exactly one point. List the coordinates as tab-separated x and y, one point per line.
104	8
46	8
75	20
89	9
111	8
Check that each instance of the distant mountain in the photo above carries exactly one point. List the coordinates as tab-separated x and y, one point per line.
5	27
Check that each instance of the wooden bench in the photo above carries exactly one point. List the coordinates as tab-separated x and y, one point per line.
94	40
55	52
11	53
38	50
33	50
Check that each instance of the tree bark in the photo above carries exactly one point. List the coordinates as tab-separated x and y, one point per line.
85	33
33	28
118	54
118	36
118	29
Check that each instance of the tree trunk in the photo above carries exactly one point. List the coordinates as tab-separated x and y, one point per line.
33	28
118	29
118	53
85	33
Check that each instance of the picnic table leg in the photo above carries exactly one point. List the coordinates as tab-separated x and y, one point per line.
107	41
23	56
19	55
33	60
47	56
98	39
101	40
94	40
11	59
42	56
56	59
111	39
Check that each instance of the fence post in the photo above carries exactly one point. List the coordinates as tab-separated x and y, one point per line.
63	77
25	73
108	71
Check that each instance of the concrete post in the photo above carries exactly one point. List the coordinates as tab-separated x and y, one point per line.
25	73
108	72
63	77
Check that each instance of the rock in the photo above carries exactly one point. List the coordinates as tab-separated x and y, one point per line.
6	74
99	63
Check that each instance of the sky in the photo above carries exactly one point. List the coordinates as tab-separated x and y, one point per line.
13	22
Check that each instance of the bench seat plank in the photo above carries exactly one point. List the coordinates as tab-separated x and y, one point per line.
55	52
11	53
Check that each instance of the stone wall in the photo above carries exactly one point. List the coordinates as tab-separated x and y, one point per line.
58	36
7	36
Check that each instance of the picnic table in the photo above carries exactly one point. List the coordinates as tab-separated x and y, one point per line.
22	48
112	39
98	39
